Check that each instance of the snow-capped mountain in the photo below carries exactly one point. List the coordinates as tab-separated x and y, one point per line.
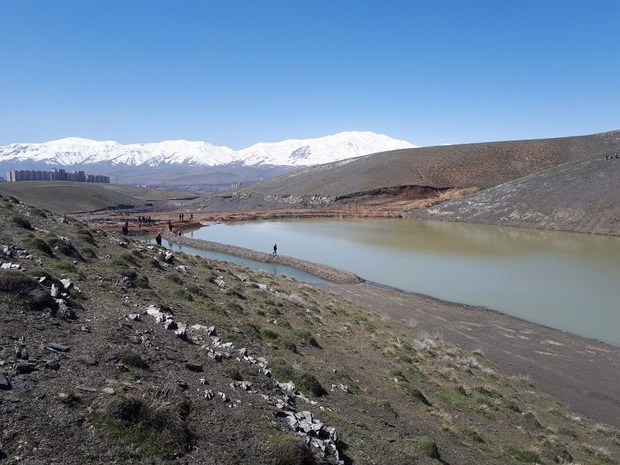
75	151
191	165
307	152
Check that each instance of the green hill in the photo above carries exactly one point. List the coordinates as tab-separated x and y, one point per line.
69	197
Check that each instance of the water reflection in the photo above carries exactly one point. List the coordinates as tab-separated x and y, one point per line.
563	280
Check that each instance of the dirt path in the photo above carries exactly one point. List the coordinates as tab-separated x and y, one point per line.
581	373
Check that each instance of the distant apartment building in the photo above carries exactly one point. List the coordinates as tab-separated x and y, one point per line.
56	174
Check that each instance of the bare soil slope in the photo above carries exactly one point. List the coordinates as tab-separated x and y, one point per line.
469	165
579	196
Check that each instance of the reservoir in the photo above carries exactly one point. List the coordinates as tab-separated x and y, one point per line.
565	281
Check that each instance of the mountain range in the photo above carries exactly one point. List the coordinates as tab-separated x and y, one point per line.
75	151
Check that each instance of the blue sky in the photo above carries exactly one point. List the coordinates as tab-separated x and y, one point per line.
238	72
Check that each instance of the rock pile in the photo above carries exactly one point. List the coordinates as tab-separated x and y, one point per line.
310	429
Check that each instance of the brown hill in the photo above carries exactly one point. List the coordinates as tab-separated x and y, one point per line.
572	170
576	196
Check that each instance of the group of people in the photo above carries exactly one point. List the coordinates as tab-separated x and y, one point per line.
182	216
146	220
611	157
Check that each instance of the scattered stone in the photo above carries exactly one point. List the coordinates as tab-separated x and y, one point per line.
196	367
67	283
52	364
107	390
181	330
10	266
54	290
313	432
87	388
25	367
57	347
4	383
169	258
21	352
135	339
209	394
133	317
88	360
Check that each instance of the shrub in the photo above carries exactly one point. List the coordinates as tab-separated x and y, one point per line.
132	359
428	447
66	248
39	212
304	381
250	330
525	456
89	253
142	281
156	264
16	287
306	337
184	294
87	236
175	278
40	245
22	222
157	425
233	373
269	335
289	450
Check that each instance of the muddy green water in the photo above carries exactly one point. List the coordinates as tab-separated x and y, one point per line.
566	281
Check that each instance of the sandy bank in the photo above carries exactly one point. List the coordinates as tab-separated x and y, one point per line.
325	272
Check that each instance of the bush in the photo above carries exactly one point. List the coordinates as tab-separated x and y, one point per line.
22	222
306	337
132	359
16	287
38	212
289	450
156	426
175	278
86	236
428	447
40	245
303	380
66	248
142	281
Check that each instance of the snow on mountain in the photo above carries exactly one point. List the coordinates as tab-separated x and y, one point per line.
76	151
296	152
307	152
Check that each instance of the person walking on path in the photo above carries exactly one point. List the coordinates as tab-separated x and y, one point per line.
275	249
158	238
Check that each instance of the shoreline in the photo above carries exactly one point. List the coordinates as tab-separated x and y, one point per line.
581	373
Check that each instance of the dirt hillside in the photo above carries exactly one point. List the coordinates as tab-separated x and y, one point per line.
116	351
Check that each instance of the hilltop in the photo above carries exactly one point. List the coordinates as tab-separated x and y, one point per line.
406	182
71	197
117	351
